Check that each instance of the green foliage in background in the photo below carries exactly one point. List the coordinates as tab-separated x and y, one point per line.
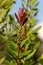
9	32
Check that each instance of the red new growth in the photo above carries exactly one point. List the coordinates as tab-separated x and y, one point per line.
21	17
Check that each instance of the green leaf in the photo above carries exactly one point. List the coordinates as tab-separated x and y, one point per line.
32	37
36	13
14	1
30	55
37	29
23	42
4	38
13	53
11	19
14	45
10	55
36	4
24	1
35	9
24	54
31	2
37	44
3	2
2	60
29	32
27	45
32	22
9	63
31	11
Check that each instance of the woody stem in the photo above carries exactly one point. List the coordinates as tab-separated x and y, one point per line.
24	30
18	55
25	23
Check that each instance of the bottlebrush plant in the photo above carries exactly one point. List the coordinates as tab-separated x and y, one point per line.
22	51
